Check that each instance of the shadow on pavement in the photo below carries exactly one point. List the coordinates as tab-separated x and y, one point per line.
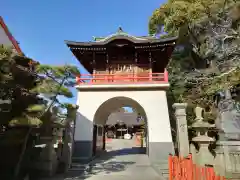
101	165
127	151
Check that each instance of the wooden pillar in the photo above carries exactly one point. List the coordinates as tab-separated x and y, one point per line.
107	68
94	67
150	65
135	73
104	137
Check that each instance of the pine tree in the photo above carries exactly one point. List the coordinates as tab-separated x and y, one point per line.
33	91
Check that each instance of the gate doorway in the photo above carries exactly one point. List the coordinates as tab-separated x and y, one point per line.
122	125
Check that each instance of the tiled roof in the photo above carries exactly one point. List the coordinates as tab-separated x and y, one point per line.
120	34
124	117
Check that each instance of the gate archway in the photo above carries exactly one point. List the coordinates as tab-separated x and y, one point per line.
111	105
96	104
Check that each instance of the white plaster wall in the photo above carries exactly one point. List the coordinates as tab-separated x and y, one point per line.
153	102
4	38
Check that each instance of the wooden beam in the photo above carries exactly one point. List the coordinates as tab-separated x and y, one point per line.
136	67
150	65
107	63
94	64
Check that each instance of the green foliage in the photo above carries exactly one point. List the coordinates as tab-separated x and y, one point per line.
176	13
22	81
51	76
32	90
200	70
15	83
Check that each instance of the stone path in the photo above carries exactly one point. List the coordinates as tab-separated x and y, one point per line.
121	162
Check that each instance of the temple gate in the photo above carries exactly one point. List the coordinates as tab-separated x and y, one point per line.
124	70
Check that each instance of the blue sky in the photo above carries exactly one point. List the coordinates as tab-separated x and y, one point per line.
42	26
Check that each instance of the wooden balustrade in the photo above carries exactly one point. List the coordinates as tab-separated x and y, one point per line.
123	78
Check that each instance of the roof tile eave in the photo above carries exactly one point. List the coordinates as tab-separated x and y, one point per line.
75	43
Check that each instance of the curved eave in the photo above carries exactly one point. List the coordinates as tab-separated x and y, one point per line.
120	37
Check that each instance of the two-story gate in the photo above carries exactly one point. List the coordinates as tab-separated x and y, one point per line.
124	71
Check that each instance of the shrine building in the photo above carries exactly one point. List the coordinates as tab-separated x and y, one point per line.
124	71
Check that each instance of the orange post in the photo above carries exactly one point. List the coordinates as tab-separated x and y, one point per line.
138	141
210	174
190	167
165	75
170	167
181	168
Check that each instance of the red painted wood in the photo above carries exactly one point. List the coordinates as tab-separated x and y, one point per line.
170	167
183	169
122	78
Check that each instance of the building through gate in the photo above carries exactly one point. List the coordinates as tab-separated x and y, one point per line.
124	71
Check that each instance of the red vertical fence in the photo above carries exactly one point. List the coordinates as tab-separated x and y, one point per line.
184	169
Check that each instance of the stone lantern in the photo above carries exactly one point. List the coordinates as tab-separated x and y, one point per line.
201	128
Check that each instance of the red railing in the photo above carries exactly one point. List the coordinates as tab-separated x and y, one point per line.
184	169
124	78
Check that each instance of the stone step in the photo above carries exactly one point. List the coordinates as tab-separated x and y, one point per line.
162	169
165	177
232	176
165	174
161	166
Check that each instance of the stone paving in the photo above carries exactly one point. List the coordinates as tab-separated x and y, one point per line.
121	162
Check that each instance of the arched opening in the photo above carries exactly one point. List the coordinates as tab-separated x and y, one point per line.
126	125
